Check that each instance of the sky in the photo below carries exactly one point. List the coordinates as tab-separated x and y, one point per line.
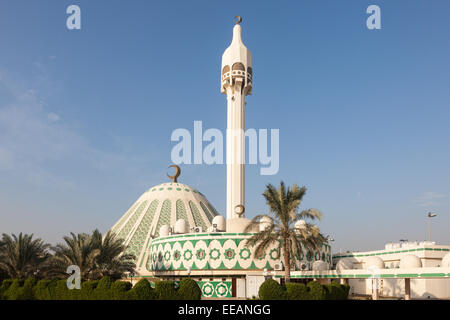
86	115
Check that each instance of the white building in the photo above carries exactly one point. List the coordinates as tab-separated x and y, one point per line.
425	264
410	270
175	232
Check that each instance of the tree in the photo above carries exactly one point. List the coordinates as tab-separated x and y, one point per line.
22	256
281	230
112	260
96	256
78	250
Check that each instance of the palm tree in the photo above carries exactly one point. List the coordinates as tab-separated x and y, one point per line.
95	255
22	256
112	260
77	250
281	229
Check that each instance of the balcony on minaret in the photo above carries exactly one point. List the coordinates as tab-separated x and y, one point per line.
238	73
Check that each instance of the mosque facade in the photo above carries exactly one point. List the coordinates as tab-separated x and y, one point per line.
175	232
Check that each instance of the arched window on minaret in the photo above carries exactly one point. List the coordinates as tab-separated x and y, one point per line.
238	66
238	70
225	70
249	74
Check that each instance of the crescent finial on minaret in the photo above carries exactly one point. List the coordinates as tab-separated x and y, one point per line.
239	19
177	173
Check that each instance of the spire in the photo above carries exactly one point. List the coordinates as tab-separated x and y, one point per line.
237	36
237	61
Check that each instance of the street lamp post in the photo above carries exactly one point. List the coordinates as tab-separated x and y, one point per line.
430	215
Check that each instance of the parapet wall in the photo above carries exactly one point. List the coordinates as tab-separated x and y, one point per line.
219	251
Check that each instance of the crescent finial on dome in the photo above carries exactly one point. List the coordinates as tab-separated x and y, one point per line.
177	173
239	19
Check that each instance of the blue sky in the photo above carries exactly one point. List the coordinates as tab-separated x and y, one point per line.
86	115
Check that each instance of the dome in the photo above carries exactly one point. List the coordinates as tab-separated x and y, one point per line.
374	263
264	222
160	205
410	261
446	261
164	231
181	226
299	224
344	264
319	265
220	222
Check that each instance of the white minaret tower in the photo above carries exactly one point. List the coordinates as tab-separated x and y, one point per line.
236	83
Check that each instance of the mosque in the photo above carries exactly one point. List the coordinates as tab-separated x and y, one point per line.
175	232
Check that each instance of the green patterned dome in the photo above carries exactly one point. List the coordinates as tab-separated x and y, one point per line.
162	205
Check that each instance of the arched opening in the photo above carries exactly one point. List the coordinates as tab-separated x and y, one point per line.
225	70
238	66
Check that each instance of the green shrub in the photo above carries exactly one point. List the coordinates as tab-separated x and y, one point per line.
165	290
61	292
336	291
15	290
102	291
271	290
296	291
120	289
4	287
87	290
327	292
74	294
51	287
27	290
345	291
142	291
316	291
332	292
189	290
41	290
131	295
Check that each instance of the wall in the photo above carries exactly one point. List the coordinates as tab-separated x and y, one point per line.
420	288
217	251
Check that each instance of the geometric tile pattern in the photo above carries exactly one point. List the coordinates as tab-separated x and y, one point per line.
139	236
219	251
208	214
181	211
215	289
124	217
127	228
164	216
197	217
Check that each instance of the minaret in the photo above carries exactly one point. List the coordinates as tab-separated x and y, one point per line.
236	83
